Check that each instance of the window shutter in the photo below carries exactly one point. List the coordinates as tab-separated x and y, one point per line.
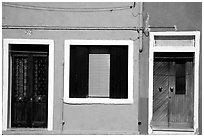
119	72
78	71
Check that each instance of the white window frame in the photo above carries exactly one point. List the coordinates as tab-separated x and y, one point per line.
153	48
6	42
129	43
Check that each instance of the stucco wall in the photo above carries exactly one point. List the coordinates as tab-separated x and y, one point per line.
20	16
82	119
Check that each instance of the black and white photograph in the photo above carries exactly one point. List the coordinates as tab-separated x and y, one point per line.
101	68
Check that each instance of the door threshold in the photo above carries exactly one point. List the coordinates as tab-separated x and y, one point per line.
172	131
27	129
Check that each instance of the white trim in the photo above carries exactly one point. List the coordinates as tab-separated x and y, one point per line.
50	85
175	33
6	43
172	133
129	43
151	42
195	49
1	79
196	80
5	85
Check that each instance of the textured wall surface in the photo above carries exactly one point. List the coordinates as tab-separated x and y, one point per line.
91	118
19	16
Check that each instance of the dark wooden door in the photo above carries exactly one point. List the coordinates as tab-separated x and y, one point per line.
173	94
29	96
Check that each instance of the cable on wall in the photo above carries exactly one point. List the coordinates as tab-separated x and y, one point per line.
68	28
58	9
133	10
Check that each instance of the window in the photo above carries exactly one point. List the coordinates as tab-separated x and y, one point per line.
98	71
180	77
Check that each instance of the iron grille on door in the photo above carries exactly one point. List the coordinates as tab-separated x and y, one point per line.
29	89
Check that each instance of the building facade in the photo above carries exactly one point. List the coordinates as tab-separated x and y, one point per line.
101	68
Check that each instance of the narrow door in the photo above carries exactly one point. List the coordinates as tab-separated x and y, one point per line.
172	92
160	94
181	94
29	87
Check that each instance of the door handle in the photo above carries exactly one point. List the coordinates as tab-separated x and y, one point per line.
172	89
20	99
160	89
39	99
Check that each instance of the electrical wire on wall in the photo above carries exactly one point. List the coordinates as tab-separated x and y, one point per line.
145	29
134	11
59	9
142	29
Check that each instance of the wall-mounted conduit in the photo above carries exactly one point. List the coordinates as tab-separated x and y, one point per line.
69	28
140	29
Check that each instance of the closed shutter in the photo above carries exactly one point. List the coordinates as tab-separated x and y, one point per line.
78	71
119	72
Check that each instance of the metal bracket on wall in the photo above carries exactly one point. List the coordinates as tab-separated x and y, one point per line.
148	29
171	27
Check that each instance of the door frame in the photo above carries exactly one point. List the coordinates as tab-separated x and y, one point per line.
6	120
153	48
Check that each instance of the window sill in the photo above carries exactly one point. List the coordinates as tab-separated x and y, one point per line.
97	101
26	131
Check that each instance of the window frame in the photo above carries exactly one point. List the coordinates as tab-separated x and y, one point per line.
69	100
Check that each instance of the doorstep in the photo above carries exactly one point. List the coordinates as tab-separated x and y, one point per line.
174	131
27	131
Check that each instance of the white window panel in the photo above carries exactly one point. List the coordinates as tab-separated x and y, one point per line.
99	75
174	41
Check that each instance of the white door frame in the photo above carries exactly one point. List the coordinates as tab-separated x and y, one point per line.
6	87
194	48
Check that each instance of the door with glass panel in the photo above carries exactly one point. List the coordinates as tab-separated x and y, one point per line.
29	86
173	90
